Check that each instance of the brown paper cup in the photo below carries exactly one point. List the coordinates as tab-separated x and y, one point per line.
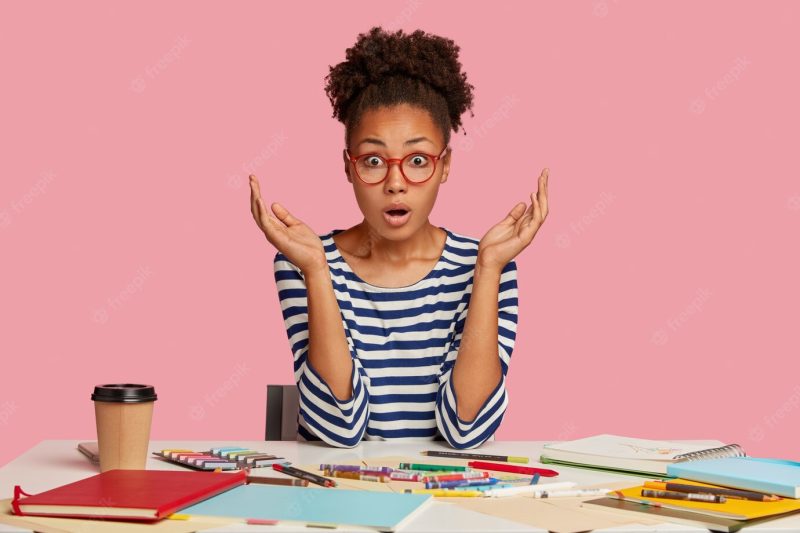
123	413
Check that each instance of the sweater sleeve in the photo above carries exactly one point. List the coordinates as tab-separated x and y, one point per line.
463	434
338	423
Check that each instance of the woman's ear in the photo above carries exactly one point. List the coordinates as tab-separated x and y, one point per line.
346	165
446	165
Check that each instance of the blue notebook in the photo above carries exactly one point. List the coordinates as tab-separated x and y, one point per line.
772	476
384	511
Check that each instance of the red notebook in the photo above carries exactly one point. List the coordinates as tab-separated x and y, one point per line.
127	494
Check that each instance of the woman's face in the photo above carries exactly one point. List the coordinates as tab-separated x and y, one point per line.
394	132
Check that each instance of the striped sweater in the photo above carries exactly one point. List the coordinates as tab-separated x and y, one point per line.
404	342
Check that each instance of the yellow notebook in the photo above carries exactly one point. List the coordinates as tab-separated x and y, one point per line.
731	508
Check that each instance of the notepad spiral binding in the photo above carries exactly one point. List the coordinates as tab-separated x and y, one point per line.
731	450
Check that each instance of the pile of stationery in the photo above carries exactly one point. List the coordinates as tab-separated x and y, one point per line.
223	458
713	486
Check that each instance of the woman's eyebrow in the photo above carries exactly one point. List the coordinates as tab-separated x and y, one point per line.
372	140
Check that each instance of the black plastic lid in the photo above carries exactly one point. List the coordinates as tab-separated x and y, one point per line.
124	392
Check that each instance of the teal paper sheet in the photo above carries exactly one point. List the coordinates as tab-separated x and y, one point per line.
379	510
773	476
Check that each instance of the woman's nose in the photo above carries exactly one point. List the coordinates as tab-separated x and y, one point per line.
395	182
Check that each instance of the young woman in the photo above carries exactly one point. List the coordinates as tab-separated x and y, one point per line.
399	328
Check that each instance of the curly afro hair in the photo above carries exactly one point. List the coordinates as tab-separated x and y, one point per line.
384	69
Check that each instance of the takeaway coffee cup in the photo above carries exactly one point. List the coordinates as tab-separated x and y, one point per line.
123	412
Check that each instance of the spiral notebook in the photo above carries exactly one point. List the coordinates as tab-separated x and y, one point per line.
632	455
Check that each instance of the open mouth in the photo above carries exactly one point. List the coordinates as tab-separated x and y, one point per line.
397	217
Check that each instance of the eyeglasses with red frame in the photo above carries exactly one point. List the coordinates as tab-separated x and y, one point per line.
416	167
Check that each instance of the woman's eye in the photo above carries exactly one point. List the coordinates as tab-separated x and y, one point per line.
419	160
374	161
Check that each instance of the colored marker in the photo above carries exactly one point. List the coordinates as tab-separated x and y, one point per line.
477	456
356	468
433	468
444	493
404	476
690	496
460	483
356	475
570	493
500	467
483	488
529	489
730	493
457	477
302	474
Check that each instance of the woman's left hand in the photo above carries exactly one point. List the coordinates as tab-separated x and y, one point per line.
514	233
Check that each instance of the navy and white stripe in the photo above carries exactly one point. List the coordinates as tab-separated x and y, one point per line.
404	342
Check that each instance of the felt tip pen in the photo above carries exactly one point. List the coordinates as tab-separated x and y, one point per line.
483	488
570	493
514	469
404	476
529	489
445	493
302	474
356	475
476	456
460	483
456	477
690	496
433	468
357	468
730	493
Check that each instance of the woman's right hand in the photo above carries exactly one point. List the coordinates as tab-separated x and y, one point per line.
289	235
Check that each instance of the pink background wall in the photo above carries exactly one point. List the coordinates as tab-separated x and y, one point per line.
659	300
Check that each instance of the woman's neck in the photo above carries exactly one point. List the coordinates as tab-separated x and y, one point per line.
425	243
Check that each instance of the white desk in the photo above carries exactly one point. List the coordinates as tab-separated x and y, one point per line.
55	462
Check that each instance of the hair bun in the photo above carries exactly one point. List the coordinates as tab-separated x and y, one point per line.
379	55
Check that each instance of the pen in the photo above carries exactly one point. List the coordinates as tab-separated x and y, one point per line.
500	467
302	474
730	493
384	470
569	493
355	475
460	483
403	476
477	456
691	496
484	487
277	481
445	493
433	468
458	476
529	489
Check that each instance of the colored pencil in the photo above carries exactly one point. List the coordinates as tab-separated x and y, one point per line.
476	456
302	474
